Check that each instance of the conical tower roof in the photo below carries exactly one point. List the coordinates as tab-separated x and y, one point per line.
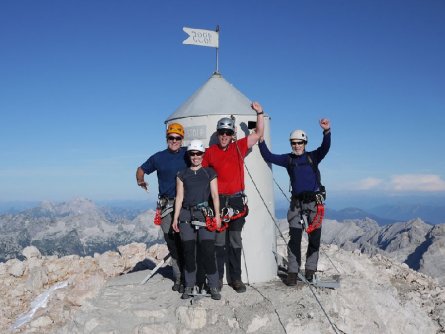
215	97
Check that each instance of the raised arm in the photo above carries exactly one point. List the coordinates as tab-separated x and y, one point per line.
253	138
277	159
321	151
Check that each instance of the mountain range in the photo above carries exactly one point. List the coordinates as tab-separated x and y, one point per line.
433	213
83	228
76	227
419	245
384	214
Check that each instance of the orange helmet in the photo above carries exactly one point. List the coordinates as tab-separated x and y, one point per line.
175	128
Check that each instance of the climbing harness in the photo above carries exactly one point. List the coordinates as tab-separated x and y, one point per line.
210	220
164	206
318	219
308	197
228	213
196	223
157	219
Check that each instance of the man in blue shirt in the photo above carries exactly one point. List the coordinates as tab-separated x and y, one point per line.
167	163
307	197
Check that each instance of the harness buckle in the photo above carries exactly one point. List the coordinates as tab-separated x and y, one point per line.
319	198
197	224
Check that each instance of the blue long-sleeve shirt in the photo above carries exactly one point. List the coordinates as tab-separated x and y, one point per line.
302	175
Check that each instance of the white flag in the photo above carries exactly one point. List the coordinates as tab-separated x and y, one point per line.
202	37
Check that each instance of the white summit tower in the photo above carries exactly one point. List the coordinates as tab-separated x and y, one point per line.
199	115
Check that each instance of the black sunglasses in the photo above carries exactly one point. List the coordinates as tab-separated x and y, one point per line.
198	153
297	142
173	138
226	132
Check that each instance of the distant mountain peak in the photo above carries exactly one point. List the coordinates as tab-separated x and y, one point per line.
74	207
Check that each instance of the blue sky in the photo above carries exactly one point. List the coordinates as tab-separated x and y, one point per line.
85	88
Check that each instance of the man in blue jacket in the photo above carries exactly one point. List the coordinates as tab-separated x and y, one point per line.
167	164
306	207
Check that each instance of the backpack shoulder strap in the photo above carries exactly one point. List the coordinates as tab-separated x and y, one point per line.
289	161
314	168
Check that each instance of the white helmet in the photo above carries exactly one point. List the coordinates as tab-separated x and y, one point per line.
196	145
298	135
226	123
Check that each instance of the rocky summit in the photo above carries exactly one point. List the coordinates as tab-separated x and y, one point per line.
104	294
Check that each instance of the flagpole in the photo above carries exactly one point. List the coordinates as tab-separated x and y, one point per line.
217	55
204	37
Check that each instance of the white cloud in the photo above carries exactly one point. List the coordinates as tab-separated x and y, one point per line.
417	182
403	183
369	183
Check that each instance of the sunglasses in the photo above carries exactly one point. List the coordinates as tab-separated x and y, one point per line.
196	153
297	142
173	138
226	132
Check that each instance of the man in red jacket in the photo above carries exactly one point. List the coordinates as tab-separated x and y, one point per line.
227	158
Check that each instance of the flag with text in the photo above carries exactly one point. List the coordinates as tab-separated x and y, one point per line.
202	37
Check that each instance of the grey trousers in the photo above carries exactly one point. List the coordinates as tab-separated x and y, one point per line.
229	246
173	242
294	216
190	238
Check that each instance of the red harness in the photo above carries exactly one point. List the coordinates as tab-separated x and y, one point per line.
226	217
318	219
157	219
211	225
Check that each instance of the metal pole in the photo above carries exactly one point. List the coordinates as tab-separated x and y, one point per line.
217	71
155	269
217	49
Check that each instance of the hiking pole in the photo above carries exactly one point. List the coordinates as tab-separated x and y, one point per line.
165	260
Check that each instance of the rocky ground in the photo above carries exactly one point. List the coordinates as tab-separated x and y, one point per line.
90	295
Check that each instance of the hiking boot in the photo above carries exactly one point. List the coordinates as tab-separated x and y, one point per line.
188	292
214	293
178	286
309	275
238	286
291	279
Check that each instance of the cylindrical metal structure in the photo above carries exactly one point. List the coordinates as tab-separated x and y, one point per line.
199	115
